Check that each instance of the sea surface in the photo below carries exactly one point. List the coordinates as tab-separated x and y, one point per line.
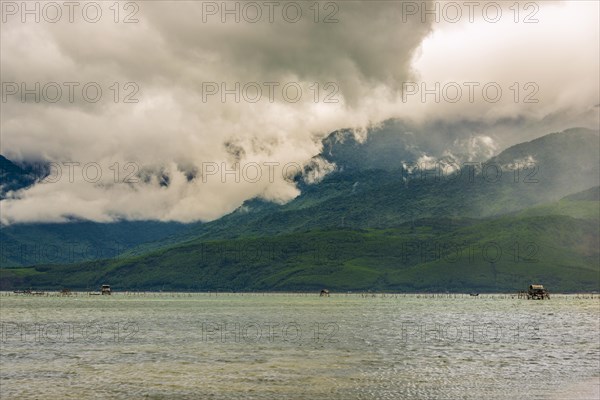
298	346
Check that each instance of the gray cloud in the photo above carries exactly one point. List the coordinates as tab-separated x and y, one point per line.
172	134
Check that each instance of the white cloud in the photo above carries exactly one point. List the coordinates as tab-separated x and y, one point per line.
170	53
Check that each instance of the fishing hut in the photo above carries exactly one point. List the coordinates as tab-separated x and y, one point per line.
535	292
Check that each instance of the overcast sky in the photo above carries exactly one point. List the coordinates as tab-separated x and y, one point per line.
356	64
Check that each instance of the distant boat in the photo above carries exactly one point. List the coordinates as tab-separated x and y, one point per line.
473	294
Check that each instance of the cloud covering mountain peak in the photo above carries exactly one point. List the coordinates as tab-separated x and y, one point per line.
194	77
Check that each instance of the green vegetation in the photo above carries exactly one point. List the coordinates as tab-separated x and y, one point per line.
497	254
33	244
358	229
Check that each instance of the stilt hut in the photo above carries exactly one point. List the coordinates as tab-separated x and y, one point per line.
537	292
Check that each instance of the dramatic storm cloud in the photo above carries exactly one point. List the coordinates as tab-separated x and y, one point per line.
188	91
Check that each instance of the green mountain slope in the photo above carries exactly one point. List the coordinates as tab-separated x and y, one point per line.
537	172
497	254
31	244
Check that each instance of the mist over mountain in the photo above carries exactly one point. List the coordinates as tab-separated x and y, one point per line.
551	180
365	191
566	162
395	143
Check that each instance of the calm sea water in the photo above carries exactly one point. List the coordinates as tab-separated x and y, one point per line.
274	346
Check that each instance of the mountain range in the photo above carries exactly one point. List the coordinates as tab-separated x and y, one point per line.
394	214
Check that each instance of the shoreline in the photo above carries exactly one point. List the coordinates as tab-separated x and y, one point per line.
510	295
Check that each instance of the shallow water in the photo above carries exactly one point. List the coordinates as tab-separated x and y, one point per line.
274	346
